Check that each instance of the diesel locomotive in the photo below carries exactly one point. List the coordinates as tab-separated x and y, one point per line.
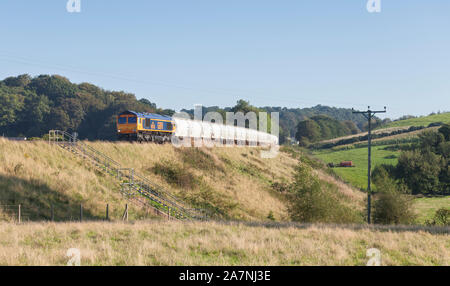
149	127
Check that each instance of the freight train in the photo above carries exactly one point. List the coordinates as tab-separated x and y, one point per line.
149	127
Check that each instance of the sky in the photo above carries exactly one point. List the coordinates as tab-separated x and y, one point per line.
177	53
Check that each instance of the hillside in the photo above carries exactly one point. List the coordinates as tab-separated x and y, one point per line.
38	176
232	183
377	131
420	121
211	243
387	150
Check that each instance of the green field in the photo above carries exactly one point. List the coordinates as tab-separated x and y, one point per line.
426	207
420	121
357	176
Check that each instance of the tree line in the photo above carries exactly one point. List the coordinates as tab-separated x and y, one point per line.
30	106
322	127
423	167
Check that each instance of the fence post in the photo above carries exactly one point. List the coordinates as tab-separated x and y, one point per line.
52	213
107	211
81	212
20	206
125	213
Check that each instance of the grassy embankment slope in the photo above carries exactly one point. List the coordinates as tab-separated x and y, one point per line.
233	183
420	121
38	175
236	182
357	176
210	243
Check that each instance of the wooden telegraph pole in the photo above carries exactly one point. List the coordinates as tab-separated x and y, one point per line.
369	115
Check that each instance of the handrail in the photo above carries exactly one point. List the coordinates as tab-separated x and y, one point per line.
138	182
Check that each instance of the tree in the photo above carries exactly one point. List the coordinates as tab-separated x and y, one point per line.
53	87
34	116
430	140
10	107
321	127
147	102
307	129
445	131
392	204
19	81
351	126
420	171
59	119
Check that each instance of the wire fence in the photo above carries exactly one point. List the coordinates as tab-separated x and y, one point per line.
76	213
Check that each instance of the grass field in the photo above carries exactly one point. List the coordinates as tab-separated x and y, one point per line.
357	176
175	243
426	207
420	121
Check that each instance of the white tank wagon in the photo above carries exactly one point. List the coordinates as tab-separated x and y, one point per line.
194	133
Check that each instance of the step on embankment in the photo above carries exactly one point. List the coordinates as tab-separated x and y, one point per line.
133	185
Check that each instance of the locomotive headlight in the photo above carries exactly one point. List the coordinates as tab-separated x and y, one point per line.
118	130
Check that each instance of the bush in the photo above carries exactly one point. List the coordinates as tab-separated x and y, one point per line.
392	204
441	217
383	170
199	159
175	174
280	187
270	216
314	201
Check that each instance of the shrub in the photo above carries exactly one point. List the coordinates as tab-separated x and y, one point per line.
175	174
383	170
280	187
392	203
199	159
314	201
271	216
441	217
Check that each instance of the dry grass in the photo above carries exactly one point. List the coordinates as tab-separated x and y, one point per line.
235	183
36	174
354	197
175	243
387	130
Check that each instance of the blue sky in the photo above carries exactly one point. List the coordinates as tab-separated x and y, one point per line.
300	53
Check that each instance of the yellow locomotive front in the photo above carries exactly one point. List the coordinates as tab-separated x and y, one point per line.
127	125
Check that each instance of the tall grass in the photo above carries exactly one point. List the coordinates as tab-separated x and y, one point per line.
39	176
176	243
233	183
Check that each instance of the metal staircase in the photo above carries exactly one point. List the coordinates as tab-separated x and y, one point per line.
134	186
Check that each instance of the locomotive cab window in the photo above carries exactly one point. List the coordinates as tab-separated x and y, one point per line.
132	119
122	120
